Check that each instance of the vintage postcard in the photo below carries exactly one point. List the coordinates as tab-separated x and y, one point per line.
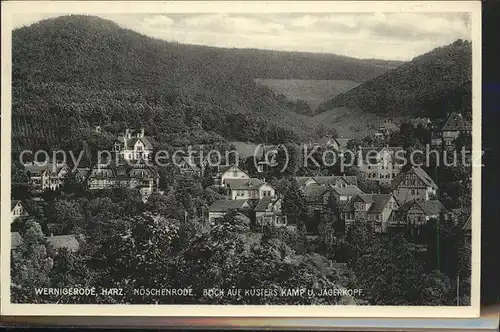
249	159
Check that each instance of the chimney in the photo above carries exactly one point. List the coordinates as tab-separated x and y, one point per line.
142	132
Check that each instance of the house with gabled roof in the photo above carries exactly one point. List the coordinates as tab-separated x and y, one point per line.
18	210
188	165
305	181
46	175
329	180
373	208
454	125
414	184
417	213
226	172
381	164
252	188
133	145
344	194
220	208
268	212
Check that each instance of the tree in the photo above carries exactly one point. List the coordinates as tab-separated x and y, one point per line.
391	273
68	215
138	258
30	266
294	206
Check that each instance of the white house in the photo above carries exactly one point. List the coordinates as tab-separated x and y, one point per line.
220	208
133	145
381	164
268	212
17	210
251	188
230	172
46	175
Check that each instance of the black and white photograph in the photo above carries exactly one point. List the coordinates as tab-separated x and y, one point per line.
285	157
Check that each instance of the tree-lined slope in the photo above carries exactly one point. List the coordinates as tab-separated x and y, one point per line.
430	85
74	72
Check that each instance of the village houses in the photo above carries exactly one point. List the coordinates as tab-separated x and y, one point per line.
374	208
133	145
418	213
453	127
46	175
380	164
414	184
252	188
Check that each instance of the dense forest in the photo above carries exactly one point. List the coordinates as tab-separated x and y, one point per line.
75	72
430	85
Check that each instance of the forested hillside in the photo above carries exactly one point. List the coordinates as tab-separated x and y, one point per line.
75	72
430	85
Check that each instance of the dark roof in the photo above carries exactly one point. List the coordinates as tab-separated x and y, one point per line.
379	202
432	207
252	183
64	241
316	191
419	172
15	240
147	144
456	122
301	180
13	203
343	142
224	205
264	203
349	190
35	167
326	180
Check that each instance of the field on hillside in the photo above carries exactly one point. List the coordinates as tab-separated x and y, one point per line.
352	123
314	92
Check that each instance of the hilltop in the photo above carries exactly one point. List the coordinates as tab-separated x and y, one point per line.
74	72
430	85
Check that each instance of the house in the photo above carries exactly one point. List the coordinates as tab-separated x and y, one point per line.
188	165
380	164
46	175
15	240
453	127
229	172
333	181
133	145
336	181
141	176
220	208
316	198
344	194
18	210
414	184
418	213
268	212
251	188
306	181
374	208
69	242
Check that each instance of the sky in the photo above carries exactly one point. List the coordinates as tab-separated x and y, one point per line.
388	36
